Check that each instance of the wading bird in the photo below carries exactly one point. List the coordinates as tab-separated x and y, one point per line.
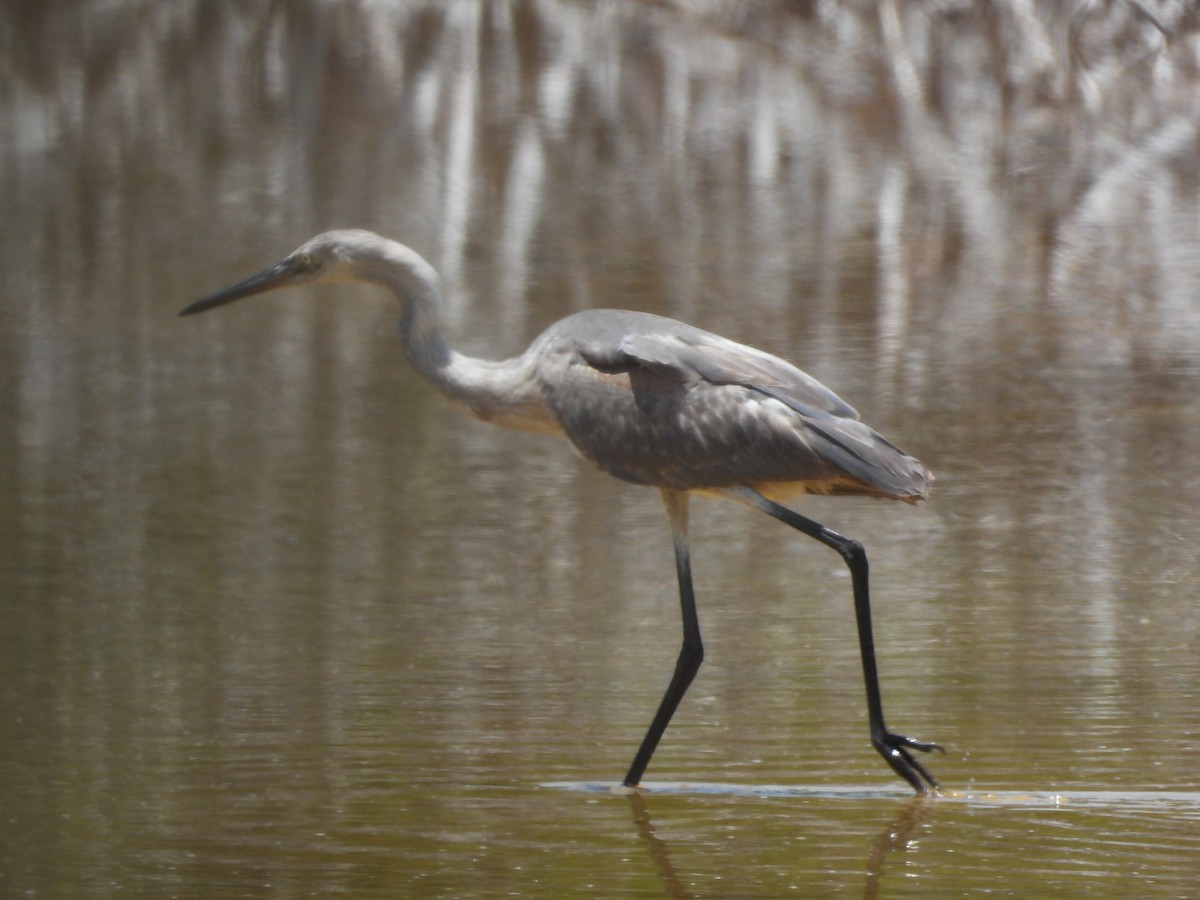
655	402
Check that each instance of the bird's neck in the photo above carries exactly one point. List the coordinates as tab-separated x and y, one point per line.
504	392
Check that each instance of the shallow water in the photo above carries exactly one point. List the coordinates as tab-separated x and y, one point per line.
277	621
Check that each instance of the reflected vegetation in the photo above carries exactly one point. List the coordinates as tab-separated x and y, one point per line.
275	620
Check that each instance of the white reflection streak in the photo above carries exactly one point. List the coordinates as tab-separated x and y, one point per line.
681	182
1100	541
893	278
764	133
382	22
1035	49
1175	221
557	84
773	224
523	204
425	91
834	224
605	77
1112	188
460	153
904	68
960	162
1108	198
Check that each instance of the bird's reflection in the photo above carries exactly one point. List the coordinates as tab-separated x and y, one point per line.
660	851
894	837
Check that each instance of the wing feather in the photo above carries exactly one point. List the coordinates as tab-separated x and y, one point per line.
689	429
694	354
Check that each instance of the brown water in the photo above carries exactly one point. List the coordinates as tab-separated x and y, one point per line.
275	621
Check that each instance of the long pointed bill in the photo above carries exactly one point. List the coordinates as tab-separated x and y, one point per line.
279	275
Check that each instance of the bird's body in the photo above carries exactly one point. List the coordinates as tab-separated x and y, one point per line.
648	399
655	402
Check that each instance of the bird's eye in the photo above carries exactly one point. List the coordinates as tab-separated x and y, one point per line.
306	265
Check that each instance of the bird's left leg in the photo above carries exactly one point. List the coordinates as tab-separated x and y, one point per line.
894	748
691	654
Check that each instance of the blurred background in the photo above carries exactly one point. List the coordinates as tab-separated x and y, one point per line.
274	620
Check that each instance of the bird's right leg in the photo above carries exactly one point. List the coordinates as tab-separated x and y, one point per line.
894	748
692	652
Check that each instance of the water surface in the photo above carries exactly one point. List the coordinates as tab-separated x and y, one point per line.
279	622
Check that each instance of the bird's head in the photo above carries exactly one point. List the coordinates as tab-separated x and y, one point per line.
328	258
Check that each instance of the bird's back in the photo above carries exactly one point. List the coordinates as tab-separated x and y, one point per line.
658	402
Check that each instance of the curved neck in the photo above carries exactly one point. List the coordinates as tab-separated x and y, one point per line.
504	392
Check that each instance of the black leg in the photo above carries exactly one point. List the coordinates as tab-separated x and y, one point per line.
894	748
692	652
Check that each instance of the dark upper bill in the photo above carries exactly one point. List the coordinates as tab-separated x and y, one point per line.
280	275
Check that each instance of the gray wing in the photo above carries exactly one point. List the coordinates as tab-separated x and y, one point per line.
695	354
821	443
620	339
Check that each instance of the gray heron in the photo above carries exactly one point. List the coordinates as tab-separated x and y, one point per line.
655	402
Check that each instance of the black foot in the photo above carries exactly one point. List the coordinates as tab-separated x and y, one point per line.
894	748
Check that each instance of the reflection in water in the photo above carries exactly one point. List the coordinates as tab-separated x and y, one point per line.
273	618
894	838
660	852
